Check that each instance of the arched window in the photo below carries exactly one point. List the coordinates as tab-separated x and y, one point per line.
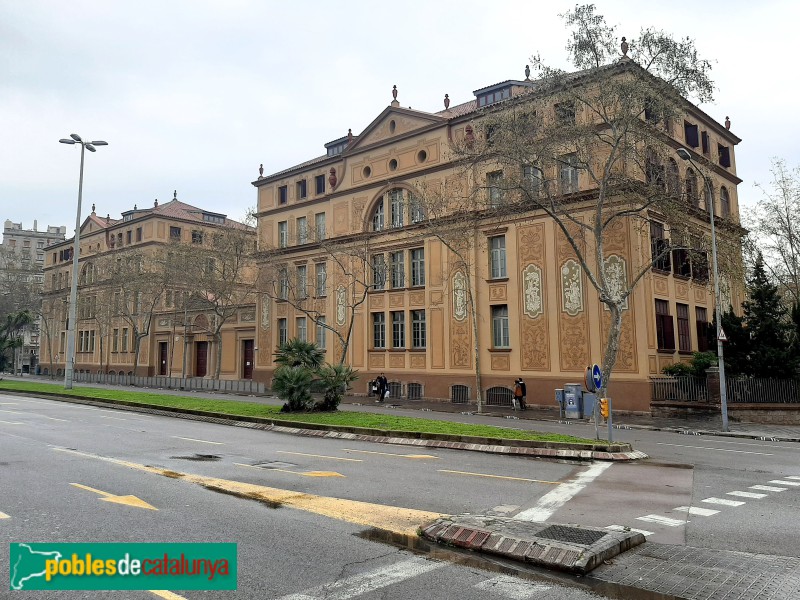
396	208
377	216
725	202
673	179
654	170
691	189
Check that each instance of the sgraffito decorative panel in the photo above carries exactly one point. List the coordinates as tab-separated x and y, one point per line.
700	295
573	322
461	345
571	288
396	300
437	342
265	306
417	361
377	360
341	305
660	285
498	292
682	290
501	362
532	303
377	301
459	296
534	326
397	361
416	298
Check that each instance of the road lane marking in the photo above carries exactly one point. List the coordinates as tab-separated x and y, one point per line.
662	520
4	516
303	473
694	510
555	499
398	455
768	488
108	497
396	519
779	482
319	456
722	501
712	448
167	595
8	403
793	477
364	583
117	418
498	476
177	437
16	412
16	423
747	495
511	587
621	528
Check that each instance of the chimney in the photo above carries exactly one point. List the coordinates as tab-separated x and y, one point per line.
34	225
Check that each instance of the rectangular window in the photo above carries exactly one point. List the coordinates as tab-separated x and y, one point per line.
398	329
321	279
301	327
703	329
565	113
418	337
724	155
494	185
302	281
500	333
705	143
174	233
532	176
319	182
659	247
691	134
197	236
378	272
497	257
283	194
684	335
417	210
397	207
128	236
378	330
397	260
283	234
700	266
681	265
418	267
377	217
115	341
665	328
568	173
124	339
283	332
301	189
319	226
321	333
138	234
283	284
302	230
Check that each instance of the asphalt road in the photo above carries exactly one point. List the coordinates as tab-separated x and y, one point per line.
46	447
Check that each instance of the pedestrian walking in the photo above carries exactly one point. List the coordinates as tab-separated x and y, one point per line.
519	394
524	402
383	387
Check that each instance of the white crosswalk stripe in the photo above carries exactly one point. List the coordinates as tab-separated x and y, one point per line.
662	520
747	494
793	477
511	587
694	510
768	488
779	482
354	586
723	501
621	528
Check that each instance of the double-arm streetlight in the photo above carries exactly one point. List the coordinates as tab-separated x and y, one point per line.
69	359
723	393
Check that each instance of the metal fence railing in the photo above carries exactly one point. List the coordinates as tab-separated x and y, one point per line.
762	391
684	388
236	386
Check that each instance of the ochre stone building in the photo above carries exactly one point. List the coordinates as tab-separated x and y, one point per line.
537	317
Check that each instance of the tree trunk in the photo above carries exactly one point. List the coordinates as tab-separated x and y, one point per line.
218	353
612	346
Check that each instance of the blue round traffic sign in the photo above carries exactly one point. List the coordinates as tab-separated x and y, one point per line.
597	376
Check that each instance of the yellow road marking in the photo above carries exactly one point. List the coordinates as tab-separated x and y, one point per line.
12	423
166	594
15	412
416	456
499	476
4	516
304	473
319	456
396	519
196	440
126	500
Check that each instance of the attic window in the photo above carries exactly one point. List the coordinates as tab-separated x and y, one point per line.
494	97
213	218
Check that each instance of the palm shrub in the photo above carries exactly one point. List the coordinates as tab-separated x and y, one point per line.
299	353
293	384
333	381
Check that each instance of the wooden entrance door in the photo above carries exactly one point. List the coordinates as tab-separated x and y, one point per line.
200	359
247	359
163	355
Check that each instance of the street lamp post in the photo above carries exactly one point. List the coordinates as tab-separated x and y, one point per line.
69	358
723	393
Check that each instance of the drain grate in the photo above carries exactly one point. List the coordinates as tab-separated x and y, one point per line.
573	535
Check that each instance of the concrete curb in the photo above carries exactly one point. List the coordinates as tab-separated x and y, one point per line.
731	434
549	450
570	548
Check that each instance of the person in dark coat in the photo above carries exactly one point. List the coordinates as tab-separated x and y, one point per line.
520	393
383	387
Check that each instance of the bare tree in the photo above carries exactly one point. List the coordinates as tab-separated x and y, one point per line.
598	164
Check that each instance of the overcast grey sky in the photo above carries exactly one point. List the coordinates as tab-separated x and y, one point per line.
193	96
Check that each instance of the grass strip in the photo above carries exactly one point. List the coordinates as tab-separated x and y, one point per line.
348	418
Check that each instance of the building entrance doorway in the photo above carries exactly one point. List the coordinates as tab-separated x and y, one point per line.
247	359
201	359
163	355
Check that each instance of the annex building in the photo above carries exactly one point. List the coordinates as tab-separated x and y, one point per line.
349	241
161	291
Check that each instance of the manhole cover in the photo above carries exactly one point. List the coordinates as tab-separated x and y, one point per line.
573	535
275	464
198	457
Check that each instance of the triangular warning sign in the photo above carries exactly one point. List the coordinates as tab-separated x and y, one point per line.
722	337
